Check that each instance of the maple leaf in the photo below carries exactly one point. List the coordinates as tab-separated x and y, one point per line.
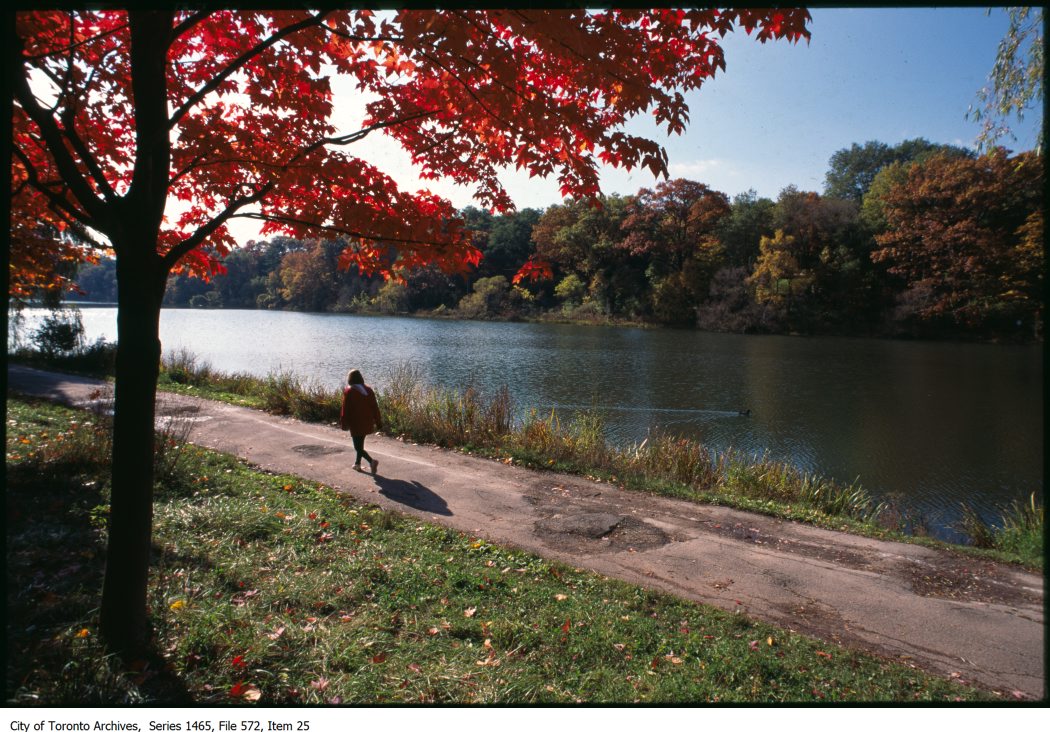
229	113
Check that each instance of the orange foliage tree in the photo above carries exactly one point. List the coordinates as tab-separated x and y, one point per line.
119	115
965	235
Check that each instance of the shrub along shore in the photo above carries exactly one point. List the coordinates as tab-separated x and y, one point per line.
269	589
485	425
672	466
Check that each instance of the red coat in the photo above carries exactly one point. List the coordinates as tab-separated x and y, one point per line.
360	411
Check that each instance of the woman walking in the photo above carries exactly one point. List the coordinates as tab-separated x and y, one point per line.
360	415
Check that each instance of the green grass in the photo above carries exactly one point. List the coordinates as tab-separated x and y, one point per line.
482	424
271	589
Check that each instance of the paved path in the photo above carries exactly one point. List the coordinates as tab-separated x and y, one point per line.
954	616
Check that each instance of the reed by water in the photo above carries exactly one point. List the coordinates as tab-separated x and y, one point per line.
485	423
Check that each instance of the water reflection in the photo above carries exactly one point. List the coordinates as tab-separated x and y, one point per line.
937	423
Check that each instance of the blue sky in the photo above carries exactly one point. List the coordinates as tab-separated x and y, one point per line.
780	111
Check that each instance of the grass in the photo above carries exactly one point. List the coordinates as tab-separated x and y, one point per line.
663	464
270	589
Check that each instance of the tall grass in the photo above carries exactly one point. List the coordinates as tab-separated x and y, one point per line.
183	367
1019	530
285	393
663	463
443	416
271	590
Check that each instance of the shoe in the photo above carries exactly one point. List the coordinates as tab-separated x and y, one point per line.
375	466
358	468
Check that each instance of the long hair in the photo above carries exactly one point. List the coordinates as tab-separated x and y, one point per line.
354	377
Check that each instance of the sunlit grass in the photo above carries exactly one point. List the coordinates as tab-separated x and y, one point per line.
664	464
275	590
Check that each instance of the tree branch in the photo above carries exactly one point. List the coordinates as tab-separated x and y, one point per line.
362	133
75	46
52	135
187	245
85	155
188	23
57	202
332	228
240	62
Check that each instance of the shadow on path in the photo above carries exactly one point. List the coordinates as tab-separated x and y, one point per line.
414	495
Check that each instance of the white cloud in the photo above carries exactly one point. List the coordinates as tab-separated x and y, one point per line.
698	168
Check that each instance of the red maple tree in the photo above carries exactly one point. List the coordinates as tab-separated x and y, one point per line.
118	115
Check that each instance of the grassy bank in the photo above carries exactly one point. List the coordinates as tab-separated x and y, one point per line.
663	464
270	589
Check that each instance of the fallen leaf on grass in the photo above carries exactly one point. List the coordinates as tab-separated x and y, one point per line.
559	598
321	684
83	633
379	658
276	633
753	645
177	605
252	694
415	667
469	612
823	655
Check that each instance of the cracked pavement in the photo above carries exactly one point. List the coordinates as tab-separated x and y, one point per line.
970	619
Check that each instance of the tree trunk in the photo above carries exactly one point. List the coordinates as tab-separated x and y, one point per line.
135	224
123	615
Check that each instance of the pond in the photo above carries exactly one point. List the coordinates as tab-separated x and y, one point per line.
931	425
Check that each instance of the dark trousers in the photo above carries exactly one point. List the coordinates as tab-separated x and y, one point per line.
359	445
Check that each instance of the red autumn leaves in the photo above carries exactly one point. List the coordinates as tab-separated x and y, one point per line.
249	128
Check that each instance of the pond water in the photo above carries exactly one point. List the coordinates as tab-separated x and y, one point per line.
931	425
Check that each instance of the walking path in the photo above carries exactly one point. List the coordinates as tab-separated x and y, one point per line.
967	618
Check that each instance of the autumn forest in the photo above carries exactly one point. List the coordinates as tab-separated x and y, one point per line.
912	240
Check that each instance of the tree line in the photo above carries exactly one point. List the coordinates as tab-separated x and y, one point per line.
911	240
